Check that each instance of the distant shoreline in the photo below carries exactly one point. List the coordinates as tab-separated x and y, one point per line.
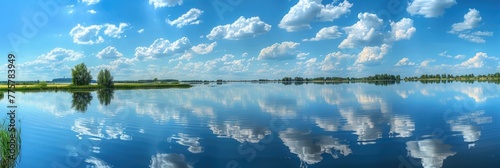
68	87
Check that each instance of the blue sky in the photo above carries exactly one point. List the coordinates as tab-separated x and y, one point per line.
250	39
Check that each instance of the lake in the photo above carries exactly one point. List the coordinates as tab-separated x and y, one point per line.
264	125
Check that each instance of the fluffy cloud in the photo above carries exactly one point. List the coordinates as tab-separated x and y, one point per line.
477	61
326	33
471	21
475	37
113	31
280	51
403	29
332	61
140	31
162	48
372	55
444	54
204	48
189	18
91	34
366	31
405	62
306	11
109	52
92	11
89	2
55	56
86	35
240	29
164	3
426	62
429	8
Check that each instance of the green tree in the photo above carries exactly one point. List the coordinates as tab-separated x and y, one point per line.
80	74
105	79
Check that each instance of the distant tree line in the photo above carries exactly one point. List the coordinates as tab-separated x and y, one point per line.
378	77
495	76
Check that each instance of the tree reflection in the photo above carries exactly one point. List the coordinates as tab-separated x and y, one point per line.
81	100
105	96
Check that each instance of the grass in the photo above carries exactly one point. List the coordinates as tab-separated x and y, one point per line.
8	161
68	87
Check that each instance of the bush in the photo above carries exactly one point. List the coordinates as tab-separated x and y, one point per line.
42	84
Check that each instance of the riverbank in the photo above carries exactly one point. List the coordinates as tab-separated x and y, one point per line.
117	86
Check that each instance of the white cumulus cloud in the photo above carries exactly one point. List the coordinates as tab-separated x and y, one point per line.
240	29
86	35
429	8
89	2
204	48
372	55
404	62
332	61
189	18
478	61
471	21
326	33
366	31
426	62
56	56
109	52
92	34
403	29
92	11
114	31
162	48
306	11
164	3
280	51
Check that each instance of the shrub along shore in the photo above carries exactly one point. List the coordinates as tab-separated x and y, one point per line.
117	86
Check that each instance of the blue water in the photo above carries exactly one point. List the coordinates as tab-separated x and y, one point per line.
264	125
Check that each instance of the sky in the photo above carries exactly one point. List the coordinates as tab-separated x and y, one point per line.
249	39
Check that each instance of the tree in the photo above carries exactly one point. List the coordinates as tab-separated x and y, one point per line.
105	79
81	76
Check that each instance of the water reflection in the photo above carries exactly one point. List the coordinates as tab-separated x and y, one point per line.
469	125
162	160
281	107
98	129
81	100
192	143
242	135
432	152
97	163
105	96
309	147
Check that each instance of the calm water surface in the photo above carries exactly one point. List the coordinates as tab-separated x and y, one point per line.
264	125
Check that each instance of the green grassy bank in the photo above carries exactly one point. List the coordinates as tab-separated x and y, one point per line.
117	86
